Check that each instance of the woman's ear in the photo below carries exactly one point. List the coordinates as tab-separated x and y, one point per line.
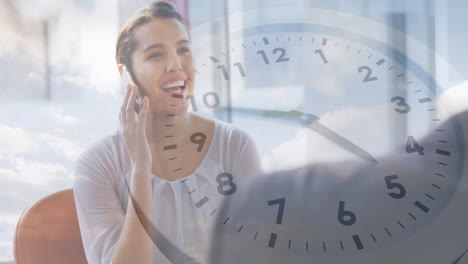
120	67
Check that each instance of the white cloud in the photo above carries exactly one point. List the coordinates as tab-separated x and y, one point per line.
308	147
39	10
57	114
60	145
16	141
34	172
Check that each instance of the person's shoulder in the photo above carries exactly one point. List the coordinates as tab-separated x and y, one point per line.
231	131
100	150
224	130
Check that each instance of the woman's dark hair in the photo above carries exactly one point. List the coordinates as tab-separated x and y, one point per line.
126	40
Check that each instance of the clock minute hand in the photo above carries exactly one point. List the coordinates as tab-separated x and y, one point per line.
313	123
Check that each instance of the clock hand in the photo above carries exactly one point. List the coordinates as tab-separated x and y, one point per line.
312	122
286	115
457	260
341	141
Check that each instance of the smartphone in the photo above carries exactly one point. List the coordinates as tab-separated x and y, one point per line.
127	79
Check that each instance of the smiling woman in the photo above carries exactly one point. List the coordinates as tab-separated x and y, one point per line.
166	165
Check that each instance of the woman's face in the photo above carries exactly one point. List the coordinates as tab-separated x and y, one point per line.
163	65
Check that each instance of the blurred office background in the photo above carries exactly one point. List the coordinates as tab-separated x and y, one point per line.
59	87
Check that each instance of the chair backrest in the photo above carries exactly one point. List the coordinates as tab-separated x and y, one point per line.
48	232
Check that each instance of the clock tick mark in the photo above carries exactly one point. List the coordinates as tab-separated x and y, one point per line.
402	226
213	59
435	119
256	234
289	38
457	260
289	244
370	56
380	62
409	83
300	38
272	240
255	44
401	74
341	244
191	192
440	175
442	141
443	152
169	125
441	163
432	109
277	40
440	130
244	46
390	68
324	42
176	170
432	198
225	221
421	206
412	216
205	65
212	212
168	136
233	49
238	231
358	242
222	53
388	232
417	91
265	40
359	51
324	246
170	147
347	47
425	100
307	245
173	158
373	237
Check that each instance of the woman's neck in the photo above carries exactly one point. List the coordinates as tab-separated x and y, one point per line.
164	126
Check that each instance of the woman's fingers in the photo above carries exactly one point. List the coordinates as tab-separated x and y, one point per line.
122	114
143	116
130	108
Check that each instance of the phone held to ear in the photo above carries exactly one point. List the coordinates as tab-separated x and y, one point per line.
127	79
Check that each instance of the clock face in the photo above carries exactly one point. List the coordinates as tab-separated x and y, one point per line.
378	163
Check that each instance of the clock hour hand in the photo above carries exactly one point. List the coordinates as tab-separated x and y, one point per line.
311	121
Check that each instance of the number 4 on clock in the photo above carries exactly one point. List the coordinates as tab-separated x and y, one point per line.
413	146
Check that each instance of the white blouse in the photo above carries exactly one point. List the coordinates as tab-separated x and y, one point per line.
183	209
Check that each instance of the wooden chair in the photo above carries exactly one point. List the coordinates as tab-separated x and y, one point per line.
48	232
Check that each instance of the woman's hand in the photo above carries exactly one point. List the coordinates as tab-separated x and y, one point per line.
134	131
